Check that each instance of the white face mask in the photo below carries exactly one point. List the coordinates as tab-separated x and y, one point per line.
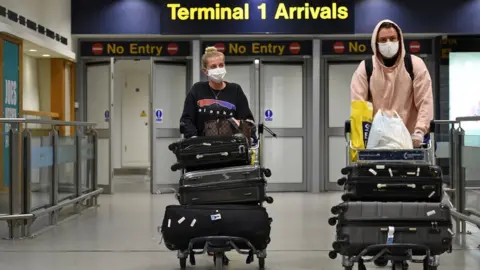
217	74
388	49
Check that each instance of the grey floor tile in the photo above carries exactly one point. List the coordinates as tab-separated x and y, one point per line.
121	234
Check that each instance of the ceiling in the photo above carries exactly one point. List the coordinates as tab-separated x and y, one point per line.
33	50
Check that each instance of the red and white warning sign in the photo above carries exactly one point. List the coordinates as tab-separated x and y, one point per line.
295	47
415	46
220	47
172	48
97	48
338	47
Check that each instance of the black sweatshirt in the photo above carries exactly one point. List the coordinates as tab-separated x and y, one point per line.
203	103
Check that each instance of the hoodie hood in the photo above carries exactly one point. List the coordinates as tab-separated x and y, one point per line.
401	46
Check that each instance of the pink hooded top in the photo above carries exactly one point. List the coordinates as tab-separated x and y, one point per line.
392	88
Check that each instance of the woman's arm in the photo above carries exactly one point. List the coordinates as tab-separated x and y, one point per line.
188	119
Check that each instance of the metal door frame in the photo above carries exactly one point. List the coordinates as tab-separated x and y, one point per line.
257	63
187	62
104	133
328	132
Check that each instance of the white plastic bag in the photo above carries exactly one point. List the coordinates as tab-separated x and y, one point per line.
389	132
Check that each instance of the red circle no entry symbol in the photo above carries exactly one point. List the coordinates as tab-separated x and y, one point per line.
295	47
338	47
97	48
220	47
172	48
415	46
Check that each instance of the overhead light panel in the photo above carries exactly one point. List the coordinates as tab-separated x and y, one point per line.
46	55
32	50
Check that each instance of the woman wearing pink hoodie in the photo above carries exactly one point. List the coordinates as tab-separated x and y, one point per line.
391	86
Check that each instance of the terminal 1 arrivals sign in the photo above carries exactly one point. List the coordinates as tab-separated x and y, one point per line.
364	47
134	48
261	48
213	17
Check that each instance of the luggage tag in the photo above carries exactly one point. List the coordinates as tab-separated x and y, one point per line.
391	232
216	216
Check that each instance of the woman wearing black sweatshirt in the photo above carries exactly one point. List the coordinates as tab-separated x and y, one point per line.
214	98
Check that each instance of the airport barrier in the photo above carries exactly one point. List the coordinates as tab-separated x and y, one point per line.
464	185
46	172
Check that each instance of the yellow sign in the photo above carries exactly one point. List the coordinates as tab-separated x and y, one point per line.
143	114
306	11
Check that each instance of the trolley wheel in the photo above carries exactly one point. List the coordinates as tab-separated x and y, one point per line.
267	173
183	263
342	181
381	262
261	263
332	254
269	200
218	260
400	265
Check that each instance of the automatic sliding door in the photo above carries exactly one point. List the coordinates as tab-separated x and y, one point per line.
169	88
246	76
99	108
339	78
282	103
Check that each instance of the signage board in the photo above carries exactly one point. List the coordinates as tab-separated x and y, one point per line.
261	48
11	86
457	43
364	47
213	17
134	48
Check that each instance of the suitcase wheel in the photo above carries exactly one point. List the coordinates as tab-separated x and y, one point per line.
172	147
332	221
342	181
332	254
267	172
346	170
335	210
336	245
175	167
346	197
269	199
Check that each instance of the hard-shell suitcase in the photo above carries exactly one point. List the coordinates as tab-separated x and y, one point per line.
240	184
210	152
364	224
392	182
182	223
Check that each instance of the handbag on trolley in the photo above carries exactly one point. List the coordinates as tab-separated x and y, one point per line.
183	223
365	224
239	184
210	152
405	182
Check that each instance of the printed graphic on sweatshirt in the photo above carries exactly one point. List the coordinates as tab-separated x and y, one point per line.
215	106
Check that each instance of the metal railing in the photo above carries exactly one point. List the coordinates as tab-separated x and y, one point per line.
34	167
463	172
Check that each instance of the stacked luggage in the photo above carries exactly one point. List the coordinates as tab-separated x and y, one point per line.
221	192
391	212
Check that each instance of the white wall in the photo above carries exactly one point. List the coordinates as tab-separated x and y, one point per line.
31	88
52	14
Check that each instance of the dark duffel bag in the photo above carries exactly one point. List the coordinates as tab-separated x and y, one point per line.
240	184
392	182
183	223
210	152
417	225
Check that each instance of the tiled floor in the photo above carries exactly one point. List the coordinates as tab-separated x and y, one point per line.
121	234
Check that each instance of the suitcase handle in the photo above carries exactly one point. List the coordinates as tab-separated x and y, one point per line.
401	229
385	186
224	154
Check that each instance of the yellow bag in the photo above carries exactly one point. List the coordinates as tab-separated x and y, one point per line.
361	118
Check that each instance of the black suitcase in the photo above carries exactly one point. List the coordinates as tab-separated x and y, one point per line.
364	224
182	223
210	152
392	182
240	184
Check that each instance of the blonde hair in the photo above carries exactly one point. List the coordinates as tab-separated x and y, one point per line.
209	53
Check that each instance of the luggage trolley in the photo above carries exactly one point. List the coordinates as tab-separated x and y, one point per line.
219	245
397	253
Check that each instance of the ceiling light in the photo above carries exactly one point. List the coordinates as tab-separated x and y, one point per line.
32	50
46	55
